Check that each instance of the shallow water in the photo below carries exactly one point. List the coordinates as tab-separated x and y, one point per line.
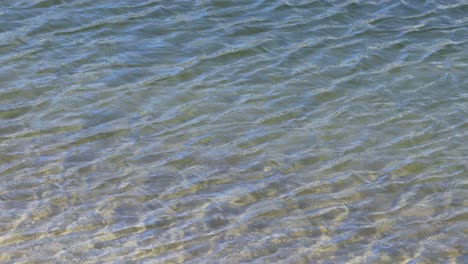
223	131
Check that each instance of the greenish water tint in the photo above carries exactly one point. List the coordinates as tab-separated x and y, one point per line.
215	131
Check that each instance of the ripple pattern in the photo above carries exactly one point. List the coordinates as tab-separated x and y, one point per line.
219	131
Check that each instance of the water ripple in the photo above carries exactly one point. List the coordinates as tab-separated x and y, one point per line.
286	131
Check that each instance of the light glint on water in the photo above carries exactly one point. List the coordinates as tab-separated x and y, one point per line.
233	131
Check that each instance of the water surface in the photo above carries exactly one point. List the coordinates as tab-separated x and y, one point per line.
224	131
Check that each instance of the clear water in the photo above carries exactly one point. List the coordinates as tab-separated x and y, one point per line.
220	131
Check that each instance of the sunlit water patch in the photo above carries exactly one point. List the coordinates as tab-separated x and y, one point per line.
216	131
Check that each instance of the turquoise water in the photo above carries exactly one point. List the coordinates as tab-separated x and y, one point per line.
220	131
